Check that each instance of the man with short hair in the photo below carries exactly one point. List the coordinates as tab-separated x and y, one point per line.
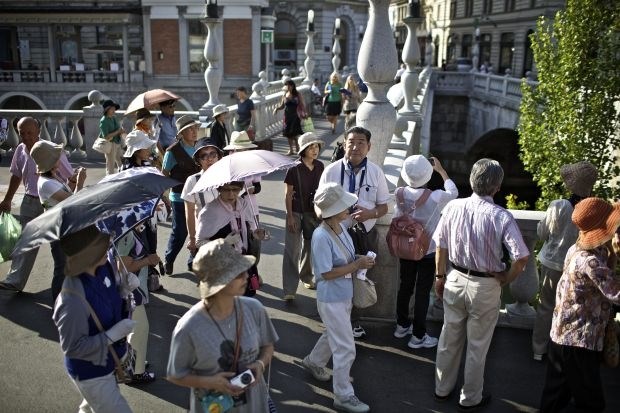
470	234
24	170
179	164
358	175
167	123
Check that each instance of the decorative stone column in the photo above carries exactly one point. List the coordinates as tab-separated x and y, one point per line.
91	116
310	62
258	97
336	47
409	115
213	74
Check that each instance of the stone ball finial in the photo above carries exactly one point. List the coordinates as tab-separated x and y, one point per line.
262	75
285	72
95	97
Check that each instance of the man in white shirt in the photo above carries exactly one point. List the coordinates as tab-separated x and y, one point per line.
358	175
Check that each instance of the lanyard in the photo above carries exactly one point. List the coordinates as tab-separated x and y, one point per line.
238	334
352	176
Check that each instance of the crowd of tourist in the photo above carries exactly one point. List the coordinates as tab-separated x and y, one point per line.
226	341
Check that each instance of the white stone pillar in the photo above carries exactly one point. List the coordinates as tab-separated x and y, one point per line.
91	117
376	64
476	51
146	29
409	115
213	74
183	41
310	62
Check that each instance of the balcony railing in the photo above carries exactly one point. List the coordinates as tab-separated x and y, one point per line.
69	76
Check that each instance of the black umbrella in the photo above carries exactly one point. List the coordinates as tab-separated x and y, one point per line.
90	205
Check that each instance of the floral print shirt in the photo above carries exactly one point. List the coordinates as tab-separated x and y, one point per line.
582	301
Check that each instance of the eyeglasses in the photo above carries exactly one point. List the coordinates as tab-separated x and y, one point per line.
208	155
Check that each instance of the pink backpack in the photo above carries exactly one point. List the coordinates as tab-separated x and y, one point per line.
407	237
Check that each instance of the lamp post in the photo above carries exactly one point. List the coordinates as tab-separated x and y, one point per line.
213	73
336	48
309	50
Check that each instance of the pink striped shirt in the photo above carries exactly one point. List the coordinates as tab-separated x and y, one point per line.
23	166
473	230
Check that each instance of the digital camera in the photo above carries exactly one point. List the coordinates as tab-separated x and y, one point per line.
243	379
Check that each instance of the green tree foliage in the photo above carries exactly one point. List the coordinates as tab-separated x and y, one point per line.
573	113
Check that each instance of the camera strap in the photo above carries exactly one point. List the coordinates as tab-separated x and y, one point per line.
239	325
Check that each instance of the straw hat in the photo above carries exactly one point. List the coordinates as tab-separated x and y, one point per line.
107	104
83	249
142	115
45	154
184	122
331	199
206	143
416	171
579	177
308	139
219	109
239	140
216	264
597	221
136	140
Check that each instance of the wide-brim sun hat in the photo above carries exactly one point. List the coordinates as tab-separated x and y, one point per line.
45	155
597	221
107	104
331	199
416	171
83	249
143	114
308	139
239	140
219	109
206	143
184	122
216	264
579	177
136	140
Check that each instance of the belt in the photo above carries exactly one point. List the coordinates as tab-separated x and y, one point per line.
470	272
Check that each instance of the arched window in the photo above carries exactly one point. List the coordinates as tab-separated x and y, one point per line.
506	52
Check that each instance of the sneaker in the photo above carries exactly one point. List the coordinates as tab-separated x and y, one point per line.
352	405
8	286
310	286
358	331
317	372
168	268
144	378
289	297
426	342
486	398
401	331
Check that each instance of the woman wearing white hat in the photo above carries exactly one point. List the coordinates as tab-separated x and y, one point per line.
301	183
223	335
419	275
219	133
239	142
334	264
139	150
52	190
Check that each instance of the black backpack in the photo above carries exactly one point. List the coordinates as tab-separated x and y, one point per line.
338	152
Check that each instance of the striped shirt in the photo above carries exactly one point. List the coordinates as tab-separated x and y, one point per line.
473	230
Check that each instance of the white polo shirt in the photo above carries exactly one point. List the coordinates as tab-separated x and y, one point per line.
372	191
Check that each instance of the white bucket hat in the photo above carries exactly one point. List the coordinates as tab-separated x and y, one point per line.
308	139
219	109
216	264
331	199
416	171
239	140
184	122
45	155
136	140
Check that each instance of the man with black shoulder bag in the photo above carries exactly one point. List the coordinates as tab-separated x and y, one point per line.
358	175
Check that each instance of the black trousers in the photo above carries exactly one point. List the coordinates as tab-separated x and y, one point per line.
416	275
572	372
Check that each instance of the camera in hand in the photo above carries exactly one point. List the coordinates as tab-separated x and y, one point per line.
243	380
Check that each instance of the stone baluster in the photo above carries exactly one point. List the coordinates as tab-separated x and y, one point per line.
213	73
12	137
60	138
336	47
428	59
377	62
44	132
310	62
258	97
76	141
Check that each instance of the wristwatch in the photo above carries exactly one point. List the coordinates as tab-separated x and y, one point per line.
440	276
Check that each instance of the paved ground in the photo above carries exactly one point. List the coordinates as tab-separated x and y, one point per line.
387	375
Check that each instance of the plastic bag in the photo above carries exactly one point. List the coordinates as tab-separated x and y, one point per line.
10	230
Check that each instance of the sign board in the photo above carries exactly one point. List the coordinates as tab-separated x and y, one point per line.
266	36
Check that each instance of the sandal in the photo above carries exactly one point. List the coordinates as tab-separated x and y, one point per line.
144	378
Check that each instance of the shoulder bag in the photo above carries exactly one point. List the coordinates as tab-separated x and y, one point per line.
364	291
102	145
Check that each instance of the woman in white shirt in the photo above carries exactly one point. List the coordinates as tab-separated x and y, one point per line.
52	190
416	172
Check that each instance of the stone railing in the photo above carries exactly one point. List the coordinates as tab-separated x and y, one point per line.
479	84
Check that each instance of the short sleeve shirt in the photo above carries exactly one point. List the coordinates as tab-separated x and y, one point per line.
326	255
47	188
309	183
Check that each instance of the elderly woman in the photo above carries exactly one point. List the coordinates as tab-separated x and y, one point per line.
230	216
52	190
558	233
425	207
334	264
110	129
88	314
293	106
222	336
334	100
581	313
300	183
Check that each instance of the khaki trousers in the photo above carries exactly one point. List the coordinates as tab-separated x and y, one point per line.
296	262
471	309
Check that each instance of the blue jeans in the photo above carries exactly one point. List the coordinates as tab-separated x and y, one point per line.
179	232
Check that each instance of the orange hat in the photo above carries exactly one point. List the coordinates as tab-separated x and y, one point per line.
597	221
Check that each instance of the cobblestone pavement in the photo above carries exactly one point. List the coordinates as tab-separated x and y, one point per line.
387	374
